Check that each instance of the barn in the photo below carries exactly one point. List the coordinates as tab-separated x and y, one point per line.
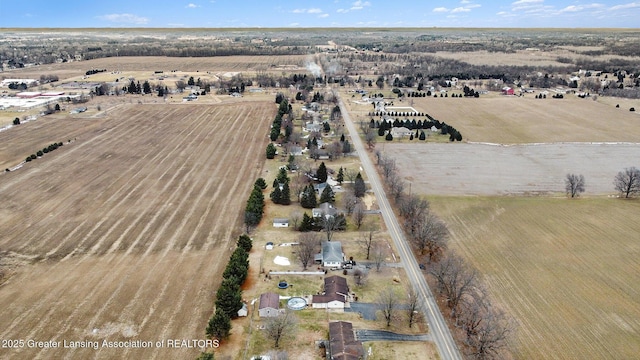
507	91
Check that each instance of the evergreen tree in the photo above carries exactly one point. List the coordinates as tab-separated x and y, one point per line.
327	195
423	136
326	127
276	195
245	242
285	196
306	224
321	174
238	266
359	186
389	137
340	177
229	297
342	138
261	183
191	82
282	177
132	87
219	326
146	87
346	147
271	151
308	199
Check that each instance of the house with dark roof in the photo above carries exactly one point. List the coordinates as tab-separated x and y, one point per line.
335	295
342	342
269	305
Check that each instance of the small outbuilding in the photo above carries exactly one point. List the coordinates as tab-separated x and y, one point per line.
280	223
269	305
507	91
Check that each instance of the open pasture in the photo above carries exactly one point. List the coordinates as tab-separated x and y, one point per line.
514	120
122	234
566	270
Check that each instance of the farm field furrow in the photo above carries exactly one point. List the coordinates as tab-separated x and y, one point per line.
147	204
565	270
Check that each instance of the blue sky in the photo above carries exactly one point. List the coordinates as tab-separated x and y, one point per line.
327	13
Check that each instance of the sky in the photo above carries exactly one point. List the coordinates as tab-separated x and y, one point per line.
326	13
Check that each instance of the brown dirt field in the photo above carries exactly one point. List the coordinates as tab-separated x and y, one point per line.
565	270
525	57
166	64
127	228
512	120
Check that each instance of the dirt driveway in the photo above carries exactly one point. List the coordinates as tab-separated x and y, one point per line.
491	169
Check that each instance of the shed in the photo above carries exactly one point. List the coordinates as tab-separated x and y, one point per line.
244	311
280	223
269	305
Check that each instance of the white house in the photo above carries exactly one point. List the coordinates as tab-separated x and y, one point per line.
400	132
325	209
331	254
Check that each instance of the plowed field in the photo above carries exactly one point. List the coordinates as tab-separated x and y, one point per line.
565	270
121	234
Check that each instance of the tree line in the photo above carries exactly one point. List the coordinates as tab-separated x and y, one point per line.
486	328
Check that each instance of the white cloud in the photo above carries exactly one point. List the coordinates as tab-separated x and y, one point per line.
440	9
460	9
294	24
577	8
526	2
359	5
625	6
192	6
325	15
465	2
125	19
307	11
342	11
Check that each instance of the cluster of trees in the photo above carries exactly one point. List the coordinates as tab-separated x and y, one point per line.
255	206
326	223
94	71
229	294
487	329
43	151
276	126
384	126
281	193
44	79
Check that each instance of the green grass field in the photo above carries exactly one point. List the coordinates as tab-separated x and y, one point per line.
568	271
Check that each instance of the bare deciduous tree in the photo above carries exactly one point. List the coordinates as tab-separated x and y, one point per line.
627	182
349	202
388	166
430	236
280	327
295	217
413	209
307	248
358	214
491	334
359	277
379	255
412	306
396	185
455	280
370	138
388	302
366	240
574	185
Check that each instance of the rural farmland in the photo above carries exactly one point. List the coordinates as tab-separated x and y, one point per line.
121	233
565	270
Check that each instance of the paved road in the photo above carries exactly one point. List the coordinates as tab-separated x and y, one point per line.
381	335
438	327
